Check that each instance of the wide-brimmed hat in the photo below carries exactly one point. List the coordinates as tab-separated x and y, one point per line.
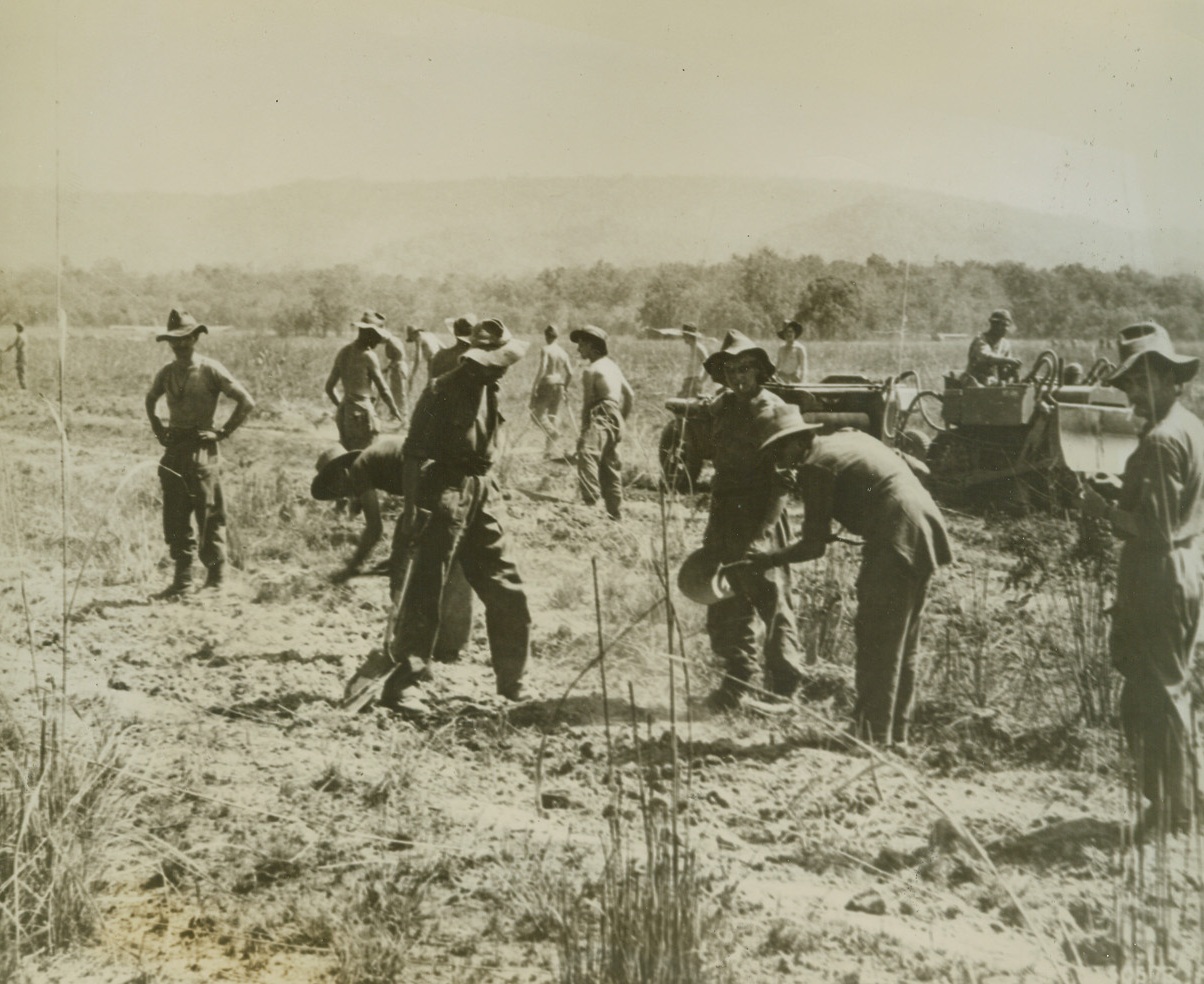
462	326
372	323
493	345
331	466
700	579
777	421
1148	338
736	343
790	329
180	324
590	331
689	328
1001	317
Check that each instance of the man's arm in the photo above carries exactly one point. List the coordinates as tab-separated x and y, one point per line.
243	405
152	401
333	380
627	398
382	387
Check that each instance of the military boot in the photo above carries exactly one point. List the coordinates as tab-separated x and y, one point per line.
181	582
216	576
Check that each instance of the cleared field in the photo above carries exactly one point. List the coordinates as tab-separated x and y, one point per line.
234	824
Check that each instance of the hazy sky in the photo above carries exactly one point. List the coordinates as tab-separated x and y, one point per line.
1084	106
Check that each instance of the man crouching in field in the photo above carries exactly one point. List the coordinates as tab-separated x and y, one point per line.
189	469
362	475
857	481
451	515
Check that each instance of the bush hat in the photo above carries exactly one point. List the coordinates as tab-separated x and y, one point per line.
778	421
590	331
331	465
689	328
790	329
1001	316
493	345
372	323
700	579
180	324
461	327
736	343
1150	339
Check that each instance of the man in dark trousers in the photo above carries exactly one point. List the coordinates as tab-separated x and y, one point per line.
857	481
451	515
1160	578
189	468
747	512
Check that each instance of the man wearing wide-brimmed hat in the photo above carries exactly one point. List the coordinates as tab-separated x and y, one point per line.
853	479
791	363
357	370
362	475
451	514
606	402
990	360
1156	618
747	512
189	469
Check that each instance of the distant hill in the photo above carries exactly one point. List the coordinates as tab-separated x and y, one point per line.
521	225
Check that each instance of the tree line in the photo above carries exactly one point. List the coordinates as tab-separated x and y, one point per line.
753	293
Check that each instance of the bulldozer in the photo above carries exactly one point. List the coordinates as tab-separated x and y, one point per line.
876	406
1026	443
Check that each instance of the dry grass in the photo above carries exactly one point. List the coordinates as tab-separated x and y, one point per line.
63	810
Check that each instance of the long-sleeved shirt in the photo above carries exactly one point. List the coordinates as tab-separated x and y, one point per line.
1163	486
862	484
456	421
446	359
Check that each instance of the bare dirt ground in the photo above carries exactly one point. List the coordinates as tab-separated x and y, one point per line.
278	838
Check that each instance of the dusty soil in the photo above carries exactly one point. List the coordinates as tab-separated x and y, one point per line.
271	825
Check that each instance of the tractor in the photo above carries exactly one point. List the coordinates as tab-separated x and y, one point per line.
1025	443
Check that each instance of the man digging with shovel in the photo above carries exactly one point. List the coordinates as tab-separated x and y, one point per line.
451	514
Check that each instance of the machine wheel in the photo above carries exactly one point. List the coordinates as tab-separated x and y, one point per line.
680	460
915	443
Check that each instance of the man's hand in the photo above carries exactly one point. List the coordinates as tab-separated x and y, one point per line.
1094	505
160	431
753	562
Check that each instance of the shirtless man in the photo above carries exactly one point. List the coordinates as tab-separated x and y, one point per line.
607	399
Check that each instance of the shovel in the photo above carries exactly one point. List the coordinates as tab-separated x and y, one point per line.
363	690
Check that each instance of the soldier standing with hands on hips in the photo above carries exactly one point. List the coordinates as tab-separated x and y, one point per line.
189	469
